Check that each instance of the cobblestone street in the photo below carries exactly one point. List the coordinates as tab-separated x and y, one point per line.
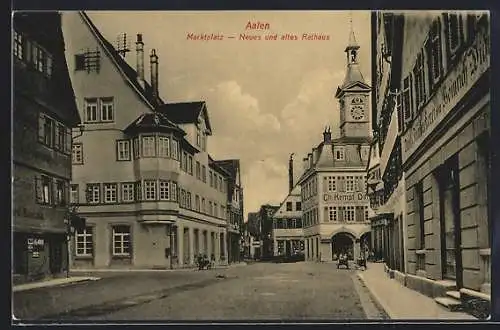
261	291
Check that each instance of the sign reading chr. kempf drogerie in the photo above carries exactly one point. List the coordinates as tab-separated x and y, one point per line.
345	197
474	62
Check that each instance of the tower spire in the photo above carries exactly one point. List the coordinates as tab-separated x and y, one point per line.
352	45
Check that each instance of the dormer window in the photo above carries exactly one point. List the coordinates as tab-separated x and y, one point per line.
339	153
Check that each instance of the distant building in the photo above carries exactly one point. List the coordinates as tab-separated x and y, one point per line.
266	213
44	112
335	207
152	195
255	234
234	208
438	101
288	236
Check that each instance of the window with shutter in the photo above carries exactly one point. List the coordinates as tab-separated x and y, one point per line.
41	127
38	190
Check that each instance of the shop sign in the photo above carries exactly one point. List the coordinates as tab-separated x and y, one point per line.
474	62
345	197
35	244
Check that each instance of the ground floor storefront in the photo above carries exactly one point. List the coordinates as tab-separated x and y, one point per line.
126	243
353	240
449	225
233	246
38	255
288	246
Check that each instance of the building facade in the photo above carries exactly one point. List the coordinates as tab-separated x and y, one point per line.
386	184
143	177
254	234
442	65
44	112
266	213
335	206
234	209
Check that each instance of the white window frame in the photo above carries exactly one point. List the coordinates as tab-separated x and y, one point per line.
175	150
107	109
128	193
148	146
18	45
149	190
86	238
349	184
74	194
173	191
349	214
163	190
123	150
91	110
124	240
163	146
110	193
339	153
95	193
332	183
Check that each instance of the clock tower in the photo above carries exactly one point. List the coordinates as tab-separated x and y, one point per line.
354	96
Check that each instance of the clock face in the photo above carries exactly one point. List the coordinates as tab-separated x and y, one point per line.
357	112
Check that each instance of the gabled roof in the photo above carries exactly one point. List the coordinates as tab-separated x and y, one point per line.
214	164
153	122
282	207
129	73
232	166
186	112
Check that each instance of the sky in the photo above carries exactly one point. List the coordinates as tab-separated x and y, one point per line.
266	99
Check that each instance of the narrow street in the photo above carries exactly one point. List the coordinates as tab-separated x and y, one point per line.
260	291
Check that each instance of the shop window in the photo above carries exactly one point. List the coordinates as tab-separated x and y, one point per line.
84	242
121	241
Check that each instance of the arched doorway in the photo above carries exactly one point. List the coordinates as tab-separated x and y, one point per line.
366	243
342	243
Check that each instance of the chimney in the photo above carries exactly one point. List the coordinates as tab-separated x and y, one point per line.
139	48
304	163
154	72
310	159
290	173
327	136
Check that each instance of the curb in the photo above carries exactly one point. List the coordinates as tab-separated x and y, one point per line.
33	286
376	298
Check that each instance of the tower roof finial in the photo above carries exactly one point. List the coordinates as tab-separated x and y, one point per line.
352	44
